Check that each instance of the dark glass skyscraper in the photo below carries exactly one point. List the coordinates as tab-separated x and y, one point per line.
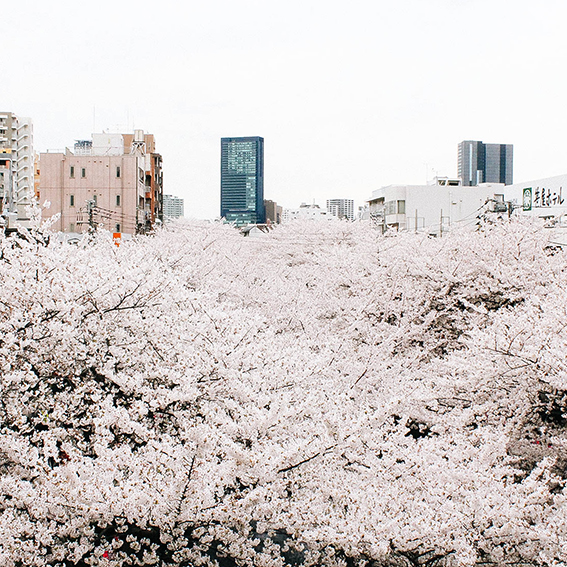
242	180
485	163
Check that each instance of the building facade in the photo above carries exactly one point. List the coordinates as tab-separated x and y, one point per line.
341	208
273	212
485	163
113	181
16	169
433	209
242	180
173	207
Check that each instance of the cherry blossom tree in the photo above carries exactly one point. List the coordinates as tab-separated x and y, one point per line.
322	396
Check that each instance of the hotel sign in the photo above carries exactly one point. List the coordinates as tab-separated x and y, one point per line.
540	198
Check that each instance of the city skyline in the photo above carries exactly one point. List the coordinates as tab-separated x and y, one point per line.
350	99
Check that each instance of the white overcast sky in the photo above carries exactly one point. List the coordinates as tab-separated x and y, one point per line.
349	96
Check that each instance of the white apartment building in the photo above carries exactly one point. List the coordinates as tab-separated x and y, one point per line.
341	208
16	170
173	207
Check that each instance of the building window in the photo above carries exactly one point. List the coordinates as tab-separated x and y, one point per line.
72	227
83	172
395	207
71	200
72	171
117	171
117	200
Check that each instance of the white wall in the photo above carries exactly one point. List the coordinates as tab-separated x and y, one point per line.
432	203
548	196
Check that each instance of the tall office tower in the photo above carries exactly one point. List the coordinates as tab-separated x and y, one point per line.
485	163
242	180
341	208
16	167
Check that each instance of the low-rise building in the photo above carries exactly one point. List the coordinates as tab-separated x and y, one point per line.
433	208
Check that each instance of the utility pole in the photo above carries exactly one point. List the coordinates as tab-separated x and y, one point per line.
90	212
441	224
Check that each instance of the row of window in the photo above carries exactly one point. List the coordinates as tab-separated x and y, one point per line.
72	200
84	172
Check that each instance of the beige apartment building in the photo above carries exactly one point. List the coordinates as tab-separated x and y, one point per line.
113	181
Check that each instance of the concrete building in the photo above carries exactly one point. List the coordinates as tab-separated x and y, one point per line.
113	181
311	212
16	170
273	212
341	208
485	163
434	208
173	207
242	180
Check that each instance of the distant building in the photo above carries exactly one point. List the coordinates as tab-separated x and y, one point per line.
173	207
273	212
311	212
242	180
485	163
16	168
114	181
341	208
